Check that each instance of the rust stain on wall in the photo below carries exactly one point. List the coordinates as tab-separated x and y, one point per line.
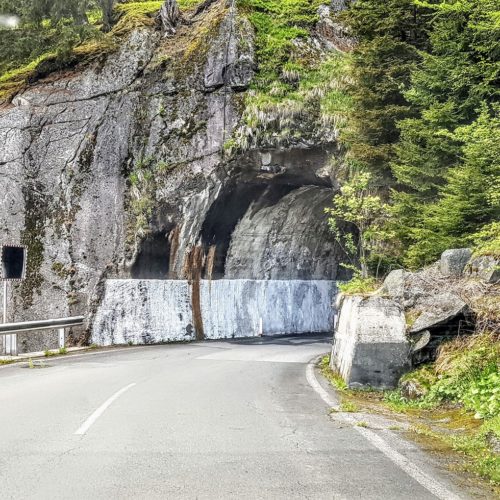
173	239
192	269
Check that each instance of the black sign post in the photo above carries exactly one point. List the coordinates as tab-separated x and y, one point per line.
13	260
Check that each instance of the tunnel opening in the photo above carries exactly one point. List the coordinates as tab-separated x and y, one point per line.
224	215
153	258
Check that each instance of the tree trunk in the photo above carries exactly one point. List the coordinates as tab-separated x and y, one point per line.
169	16
107	14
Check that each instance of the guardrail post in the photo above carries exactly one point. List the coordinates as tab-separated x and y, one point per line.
62	339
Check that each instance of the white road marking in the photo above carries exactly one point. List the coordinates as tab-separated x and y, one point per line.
429	483
92	419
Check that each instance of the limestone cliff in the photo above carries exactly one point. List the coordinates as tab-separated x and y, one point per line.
121	168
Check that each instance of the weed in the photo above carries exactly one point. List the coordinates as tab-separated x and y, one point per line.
63	350
349	407
30	363
361	424
333	377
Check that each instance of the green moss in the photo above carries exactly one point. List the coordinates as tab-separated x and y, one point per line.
144	178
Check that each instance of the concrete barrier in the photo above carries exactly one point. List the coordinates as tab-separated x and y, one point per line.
370	348
154	311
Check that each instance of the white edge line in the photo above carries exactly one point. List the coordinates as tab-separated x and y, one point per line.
82	430
401	461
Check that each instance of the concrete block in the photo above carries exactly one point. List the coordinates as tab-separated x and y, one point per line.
370	347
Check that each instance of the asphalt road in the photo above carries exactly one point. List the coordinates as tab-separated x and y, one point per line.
203	420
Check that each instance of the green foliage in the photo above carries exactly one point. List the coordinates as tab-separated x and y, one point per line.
424	119
469	198
466	372
389	35
447	164
357	207
144	179
487	240
277	24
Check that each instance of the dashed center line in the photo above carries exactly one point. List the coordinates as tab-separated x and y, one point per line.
92	419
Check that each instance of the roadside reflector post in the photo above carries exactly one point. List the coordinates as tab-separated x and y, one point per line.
62	339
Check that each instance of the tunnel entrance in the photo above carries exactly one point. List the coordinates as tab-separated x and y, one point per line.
153	259
227	211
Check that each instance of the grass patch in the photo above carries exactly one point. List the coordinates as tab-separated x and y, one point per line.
460	398
466	373
349	407
481	460
334	378
360	286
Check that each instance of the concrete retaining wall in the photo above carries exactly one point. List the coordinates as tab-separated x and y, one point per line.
153	311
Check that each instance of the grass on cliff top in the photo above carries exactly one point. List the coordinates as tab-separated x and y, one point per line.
130	15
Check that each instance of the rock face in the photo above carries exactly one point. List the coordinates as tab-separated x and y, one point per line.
292	240
453	262
370	348
118	169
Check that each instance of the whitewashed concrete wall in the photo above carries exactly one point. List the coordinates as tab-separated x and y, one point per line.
154	311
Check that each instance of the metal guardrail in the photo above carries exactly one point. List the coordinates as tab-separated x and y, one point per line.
10	330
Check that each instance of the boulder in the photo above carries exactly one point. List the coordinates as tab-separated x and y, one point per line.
444	308
485	267
394	284
453	261
370	347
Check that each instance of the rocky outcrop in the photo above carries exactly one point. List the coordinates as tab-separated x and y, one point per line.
370	348
485	267
119	169
445	308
